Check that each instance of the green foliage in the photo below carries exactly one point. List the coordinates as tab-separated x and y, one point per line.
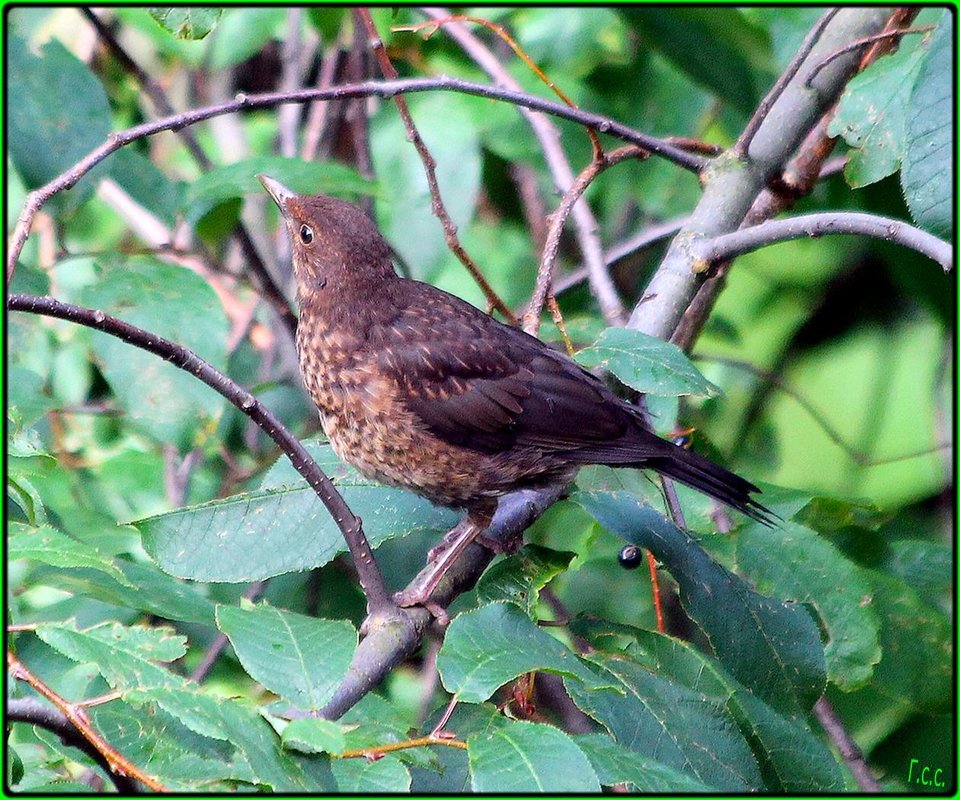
849	595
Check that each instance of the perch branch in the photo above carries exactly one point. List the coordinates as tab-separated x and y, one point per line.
371	579
846	223
77	717
115	140
849	752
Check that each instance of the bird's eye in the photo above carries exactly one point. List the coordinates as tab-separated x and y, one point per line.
306	234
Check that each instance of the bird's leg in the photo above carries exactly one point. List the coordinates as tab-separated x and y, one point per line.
441	558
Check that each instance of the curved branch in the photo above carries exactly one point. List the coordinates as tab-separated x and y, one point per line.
843	223
38	197
33	712
371	579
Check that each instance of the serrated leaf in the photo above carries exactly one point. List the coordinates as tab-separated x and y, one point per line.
485	648
361	776
616	764
646	363
314	735
794	563
57	113
671	723
770	646
872	116
187	23
50	546
235	181
300	658
929	139
789	756
282	527
525	757
165	402
519	578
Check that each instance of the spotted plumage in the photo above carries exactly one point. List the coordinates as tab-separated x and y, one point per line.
419	389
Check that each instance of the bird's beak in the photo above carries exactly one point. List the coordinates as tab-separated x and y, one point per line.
278	192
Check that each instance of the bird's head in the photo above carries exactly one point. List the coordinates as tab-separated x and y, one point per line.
332	242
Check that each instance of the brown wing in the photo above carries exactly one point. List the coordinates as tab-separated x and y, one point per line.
480	384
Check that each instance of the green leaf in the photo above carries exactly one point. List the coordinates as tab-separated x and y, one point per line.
646	363
525	757
795	563
57	113
187	23
714	46
27	395
144	587
485	648
146	183
314	735
235	181
49	546
615	764
165	402
520	577
929	138
360	776
790	757
872	116
771	647
916	641
283	526
300	658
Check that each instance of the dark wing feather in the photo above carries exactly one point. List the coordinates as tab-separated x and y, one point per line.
480	384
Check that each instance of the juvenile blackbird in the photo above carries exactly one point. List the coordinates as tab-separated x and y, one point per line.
419	389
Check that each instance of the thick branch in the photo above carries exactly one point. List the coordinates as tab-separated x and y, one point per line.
849	752
395	634
37	198
34	712
371	580
846	223
732	183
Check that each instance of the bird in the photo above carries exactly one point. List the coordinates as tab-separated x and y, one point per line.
419	389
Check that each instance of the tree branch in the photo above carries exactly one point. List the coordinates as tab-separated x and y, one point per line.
732	184
585	224
34	712
849	752
78	718
38	197
371	579
846	223
396	633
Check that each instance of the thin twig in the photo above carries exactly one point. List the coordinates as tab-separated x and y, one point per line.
531	318
586	227
78	717
371	579
430	169
33	712
859	456
860	43
847	223
742	147
392	747
318	115
655	587
849	752
38	197
199	675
